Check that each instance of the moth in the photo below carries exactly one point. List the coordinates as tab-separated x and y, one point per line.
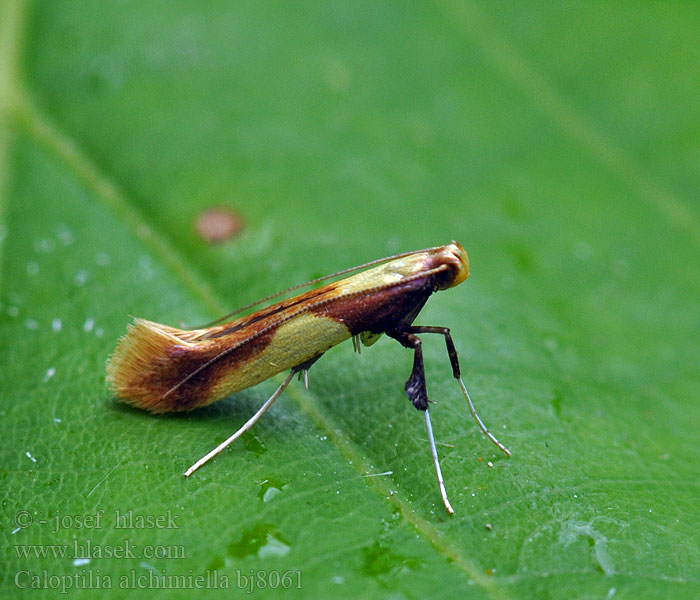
164	369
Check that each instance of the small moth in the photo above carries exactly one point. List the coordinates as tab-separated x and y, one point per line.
164	369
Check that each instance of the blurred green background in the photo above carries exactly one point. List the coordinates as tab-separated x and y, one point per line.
559	143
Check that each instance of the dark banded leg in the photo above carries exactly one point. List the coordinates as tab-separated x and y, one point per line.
418	394
454	361
415	386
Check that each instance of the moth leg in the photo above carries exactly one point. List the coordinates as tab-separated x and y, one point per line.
415	386
305	366
418	394
436	462
303	369
261	411
451	350
454	361
303	375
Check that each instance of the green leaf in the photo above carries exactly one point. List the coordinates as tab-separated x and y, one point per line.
558	144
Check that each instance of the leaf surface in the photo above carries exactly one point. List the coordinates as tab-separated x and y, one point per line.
558	145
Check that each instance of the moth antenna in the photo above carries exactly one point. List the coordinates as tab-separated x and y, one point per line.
312	282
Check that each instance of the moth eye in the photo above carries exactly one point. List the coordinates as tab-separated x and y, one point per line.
444	279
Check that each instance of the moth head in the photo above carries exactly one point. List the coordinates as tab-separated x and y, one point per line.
456	262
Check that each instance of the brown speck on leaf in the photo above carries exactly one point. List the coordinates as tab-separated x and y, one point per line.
218	224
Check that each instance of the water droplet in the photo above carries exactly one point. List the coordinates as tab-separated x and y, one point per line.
88	325
65	235
56	325
270	493
81	277
273	547
270	488
379	560
252	443
262	540
146	266
45	245
32	268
